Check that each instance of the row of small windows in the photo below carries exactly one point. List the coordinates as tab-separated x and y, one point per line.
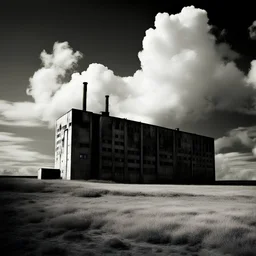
189	158
166	163
133	152
119	125
84	145
107	158
148	161
106	167
137	169
121	151
119	143
149	170
197	151
82	156
106	149
202	166
119	136
137	161
119	170
133	129
107	141
119	159
184	158
149	148
165	156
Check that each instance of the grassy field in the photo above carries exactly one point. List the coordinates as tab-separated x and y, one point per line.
88	218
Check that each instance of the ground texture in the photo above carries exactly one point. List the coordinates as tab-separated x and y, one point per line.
90	218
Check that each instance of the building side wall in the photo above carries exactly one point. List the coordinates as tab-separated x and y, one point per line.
63	142
81	145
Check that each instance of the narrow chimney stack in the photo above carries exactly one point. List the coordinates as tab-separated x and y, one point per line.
107	105
84	96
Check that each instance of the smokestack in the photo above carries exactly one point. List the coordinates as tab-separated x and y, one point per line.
107	105
84	96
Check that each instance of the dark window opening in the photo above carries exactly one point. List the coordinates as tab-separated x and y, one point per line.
83	156
84	145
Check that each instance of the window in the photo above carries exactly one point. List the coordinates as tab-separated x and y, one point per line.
83	156
107	158
119	143
84	145
119	159
106	141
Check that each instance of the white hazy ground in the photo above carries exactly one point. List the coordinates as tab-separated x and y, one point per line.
89	218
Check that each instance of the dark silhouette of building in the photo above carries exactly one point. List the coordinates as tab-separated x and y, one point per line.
100	146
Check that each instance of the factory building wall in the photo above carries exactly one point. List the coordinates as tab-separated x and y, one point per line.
63	141
166	155
81	145
110	148
106	149
133	152
141	153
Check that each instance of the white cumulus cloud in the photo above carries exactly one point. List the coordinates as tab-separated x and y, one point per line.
184	75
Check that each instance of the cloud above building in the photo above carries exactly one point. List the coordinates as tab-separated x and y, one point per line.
184	75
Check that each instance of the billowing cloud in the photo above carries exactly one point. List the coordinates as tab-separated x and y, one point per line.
236	165
252	31
185	75
242	136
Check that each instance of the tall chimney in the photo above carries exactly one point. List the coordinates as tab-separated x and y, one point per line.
107	105
84	96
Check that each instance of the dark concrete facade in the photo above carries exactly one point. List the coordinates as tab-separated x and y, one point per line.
109	148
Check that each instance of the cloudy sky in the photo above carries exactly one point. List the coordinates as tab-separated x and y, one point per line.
189	65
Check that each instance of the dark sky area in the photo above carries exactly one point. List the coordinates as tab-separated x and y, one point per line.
107	32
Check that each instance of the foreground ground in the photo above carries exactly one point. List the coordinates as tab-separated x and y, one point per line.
88	218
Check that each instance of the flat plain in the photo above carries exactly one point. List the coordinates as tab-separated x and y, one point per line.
57	217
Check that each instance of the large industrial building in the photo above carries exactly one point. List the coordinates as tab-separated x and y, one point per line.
100	146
